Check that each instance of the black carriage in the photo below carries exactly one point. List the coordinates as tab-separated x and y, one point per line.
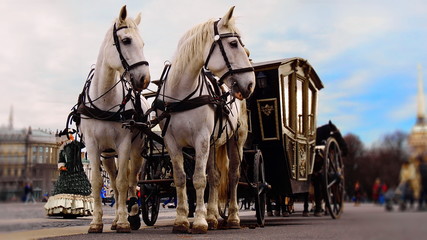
283	150
282	125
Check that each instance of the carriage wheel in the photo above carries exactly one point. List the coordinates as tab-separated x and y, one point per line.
150	198
333	178
259	190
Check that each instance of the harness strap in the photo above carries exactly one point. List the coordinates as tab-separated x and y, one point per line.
189	104
139	116
98	114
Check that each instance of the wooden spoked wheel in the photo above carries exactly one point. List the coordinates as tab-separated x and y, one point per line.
333	178
150	198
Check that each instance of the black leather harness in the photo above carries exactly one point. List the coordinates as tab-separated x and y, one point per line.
215	96
86	106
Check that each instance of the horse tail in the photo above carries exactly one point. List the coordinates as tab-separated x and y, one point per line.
222	163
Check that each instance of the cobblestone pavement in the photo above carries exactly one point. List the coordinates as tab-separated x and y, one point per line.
21	216
368	221
25	217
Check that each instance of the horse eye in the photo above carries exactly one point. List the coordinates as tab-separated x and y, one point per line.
234	44
126	41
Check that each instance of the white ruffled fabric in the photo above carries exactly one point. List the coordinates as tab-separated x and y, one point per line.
62	204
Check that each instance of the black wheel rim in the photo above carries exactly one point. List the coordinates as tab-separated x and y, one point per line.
150	208
260	196
150	199
333	178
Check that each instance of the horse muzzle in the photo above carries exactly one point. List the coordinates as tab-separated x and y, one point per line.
240	92
141	83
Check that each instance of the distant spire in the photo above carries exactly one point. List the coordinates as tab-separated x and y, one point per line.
11	118
421	115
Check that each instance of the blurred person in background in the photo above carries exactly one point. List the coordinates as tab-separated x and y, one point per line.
357	193
408	178
376	190
28	189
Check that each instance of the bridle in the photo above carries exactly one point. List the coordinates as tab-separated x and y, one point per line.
125	64
127	67
218	41
93	111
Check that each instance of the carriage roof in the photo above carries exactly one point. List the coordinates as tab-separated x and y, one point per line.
291	65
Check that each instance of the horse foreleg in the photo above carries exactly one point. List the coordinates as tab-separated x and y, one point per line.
213	179
181	224
233	220
200	224
135	167
122	184
234	155
110	166
305	211
96	225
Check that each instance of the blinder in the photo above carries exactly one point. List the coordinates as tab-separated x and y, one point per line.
218	41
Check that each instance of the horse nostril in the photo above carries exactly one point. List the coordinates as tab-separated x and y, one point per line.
250	87
142	80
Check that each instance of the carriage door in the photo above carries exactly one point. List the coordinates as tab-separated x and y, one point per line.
305	109
304	125
301	128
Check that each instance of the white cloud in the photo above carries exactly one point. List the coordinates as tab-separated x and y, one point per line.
48	47
406	110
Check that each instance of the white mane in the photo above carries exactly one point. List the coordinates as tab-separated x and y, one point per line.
192	44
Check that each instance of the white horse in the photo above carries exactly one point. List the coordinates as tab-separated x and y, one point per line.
214	45
106	104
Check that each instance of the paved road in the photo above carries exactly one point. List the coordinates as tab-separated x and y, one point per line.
19	221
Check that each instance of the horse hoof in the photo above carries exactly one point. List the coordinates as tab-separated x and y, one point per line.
199	229
114	226
135	222
212	224
95	228
123	228
233	224
180	229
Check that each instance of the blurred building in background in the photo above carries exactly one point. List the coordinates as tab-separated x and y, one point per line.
31	156
417	139
27	156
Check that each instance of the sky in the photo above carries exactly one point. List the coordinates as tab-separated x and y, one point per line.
365	52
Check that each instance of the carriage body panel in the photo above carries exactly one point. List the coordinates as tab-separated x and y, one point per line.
282	121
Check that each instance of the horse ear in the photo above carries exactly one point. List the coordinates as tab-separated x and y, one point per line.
138	19
123	14
226	19
247	52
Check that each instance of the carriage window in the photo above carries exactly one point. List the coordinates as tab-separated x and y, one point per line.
300	119
285	82
311	108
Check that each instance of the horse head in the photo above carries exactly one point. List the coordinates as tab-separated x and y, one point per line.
124	51
227	57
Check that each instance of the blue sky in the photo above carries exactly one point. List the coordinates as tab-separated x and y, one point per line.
365	52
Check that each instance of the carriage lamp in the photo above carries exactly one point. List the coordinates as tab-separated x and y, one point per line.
261	80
